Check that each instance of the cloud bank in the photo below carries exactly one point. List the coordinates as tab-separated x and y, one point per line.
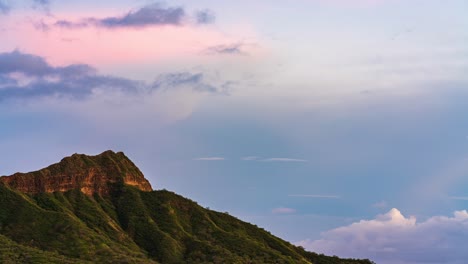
392	238
26	76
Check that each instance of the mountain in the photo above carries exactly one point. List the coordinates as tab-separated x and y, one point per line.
90	174
101	209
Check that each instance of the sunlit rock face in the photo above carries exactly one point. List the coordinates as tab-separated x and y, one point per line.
90	174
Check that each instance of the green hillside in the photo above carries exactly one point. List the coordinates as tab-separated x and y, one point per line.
133	226
12	253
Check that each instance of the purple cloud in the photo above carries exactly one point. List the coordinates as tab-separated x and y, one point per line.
146	16
150	15
25	76
229	49
196	81
31	65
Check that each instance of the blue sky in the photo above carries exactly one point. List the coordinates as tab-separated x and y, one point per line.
310	118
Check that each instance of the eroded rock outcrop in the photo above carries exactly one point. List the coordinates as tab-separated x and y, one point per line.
91	174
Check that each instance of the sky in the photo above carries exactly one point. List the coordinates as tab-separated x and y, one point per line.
338	125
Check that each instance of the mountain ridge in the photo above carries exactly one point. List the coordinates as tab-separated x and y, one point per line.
91	174
118	218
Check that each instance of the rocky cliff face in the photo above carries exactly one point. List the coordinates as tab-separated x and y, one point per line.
90	174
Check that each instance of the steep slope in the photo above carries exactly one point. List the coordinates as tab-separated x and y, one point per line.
12	253
122	221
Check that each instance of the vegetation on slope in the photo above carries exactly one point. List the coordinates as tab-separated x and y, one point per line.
12	253
127	225
132	226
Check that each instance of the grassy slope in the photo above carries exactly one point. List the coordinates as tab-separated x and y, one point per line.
66	223
12	253
132	226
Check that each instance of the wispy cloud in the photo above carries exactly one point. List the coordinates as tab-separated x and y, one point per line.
5	6
283	210
464	198
41	25
284	160
150	15
185	78
205	16
227	49
210	158
322	196
42	4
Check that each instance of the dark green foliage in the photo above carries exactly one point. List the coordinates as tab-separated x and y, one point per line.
131	226
322	259
12	253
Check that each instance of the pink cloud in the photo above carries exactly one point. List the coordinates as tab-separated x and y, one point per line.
97	47
102	46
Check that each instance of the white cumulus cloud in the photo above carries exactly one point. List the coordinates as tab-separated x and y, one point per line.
392	238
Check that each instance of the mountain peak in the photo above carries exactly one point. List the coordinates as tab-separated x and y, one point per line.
90	174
